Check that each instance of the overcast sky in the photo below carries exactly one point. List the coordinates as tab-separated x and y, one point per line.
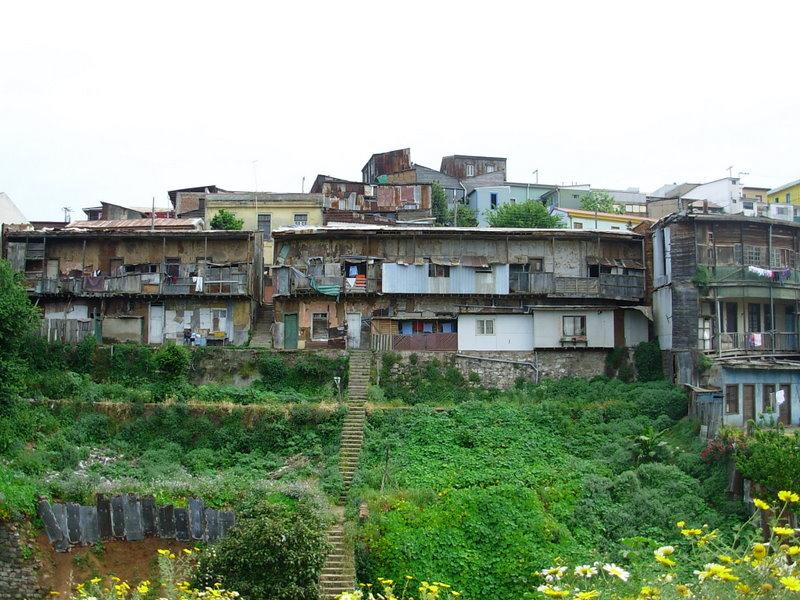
99	102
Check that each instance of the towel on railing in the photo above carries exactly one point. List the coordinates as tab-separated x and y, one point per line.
198	283
755	340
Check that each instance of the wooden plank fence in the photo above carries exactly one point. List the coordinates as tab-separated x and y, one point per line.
132	518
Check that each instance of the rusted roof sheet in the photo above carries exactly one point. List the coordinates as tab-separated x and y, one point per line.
479	262
190	224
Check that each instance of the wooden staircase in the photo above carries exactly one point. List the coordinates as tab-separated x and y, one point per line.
338	573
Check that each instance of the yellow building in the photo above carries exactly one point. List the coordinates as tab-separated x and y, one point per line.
266	211
785	194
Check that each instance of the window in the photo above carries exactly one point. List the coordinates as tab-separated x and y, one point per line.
470	170
172	267
319	326
754	317
218	318
537	265
490	168
265	225
435	270
759	198
574	326
300	219
512	200
704	333
577	225
747	205
518	279
493	200
484	327
788	197
731	399
768	398
614	227
731	320
752	255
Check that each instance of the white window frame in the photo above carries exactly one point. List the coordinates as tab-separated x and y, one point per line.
304	220
484	327
581	319
470	170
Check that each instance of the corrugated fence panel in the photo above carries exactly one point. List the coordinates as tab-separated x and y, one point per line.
411	279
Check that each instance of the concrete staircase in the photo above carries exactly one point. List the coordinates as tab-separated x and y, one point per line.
338	573
262	329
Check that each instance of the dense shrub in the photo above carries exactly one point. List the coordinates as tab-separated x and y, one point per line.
647	358
275	550
308	371
172	361
771	458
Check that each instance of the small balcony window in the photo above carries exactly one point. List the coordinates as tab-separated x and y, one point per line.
435	270
300	219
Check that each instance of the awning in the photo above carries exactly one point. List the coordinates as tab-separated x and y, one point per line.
450	262
478	262
647	311
625	263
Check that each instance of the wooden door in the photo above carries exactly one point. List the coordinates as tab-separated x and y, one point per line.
785	409
156	330
354	330
749	399
290	331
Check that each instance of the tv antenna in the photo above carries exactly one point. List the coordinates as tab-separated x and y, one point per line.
67	211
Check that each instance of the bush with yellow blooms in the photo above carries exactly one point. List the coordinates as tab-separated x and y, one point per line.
408	589
174	572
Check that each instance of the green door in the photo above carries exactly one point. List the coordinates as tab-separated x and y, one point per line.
290	332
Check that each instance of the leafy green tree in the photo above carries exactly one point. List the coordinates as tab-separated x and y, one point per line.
600	202
18	320
439	204
275	550
226	220
463	216
530	213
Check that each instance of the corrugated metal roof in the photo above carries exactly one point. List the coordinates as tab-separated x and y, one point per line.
138	224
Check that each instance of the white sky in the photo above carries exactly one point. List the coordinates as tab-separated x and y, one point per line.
100	102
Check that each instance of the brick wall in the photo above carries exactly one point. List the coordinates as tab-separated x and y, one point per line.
18	576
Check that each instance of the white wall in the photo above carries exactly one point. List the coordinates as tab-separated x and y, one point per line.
637	328
725	192
511	333
662	313
548	328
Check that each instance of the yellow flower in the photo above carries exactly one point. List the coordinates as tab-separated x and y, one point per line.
691	532
742	588
587	595
785	496
683	590
783	531
793	550
95	580
681	524
649	593
766	588
760	504
791	583
187	552
759	551
163	552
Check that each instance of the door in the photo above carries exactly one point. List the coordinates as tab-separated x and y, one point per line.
353	330
156	329
52	268
749	399
785	408
290	331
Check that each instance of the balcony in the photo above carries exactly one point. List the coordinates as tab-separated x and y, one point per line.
291	281
217	281
623	287
763	342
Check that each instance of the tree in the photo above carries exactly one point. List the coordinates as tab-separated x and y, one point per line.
226	220
530	213
439	204
276	550
18	320
463	216
600	202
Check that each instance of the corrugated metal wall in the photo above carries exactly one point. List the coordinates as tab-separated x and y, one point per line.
413	279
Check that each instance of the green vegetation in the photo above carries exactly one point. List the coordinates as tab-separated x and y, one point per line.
600	202
461	216
225	219
647	359
174	452
275	550
18	320
486	493
530	213
771	458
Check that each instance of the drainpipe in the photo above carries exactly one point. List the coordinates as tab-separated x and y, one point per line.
463	187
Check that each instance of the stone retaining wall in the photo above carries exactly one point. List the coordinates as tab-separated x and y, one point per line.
494	372
18	575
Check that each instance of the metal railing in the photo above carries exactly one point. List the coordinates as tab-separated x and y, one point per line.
755	342
222	280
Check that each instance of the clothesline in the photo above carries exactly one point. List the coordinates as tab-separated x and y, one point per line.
774	274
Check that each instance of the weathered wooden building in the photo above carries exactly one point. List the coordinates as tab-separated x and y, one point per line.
126	282
458	289
726	288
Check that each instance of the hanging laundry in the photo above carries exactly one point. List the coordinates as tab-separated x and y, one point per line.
759	271
198	283
755	340
781	275
780	397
